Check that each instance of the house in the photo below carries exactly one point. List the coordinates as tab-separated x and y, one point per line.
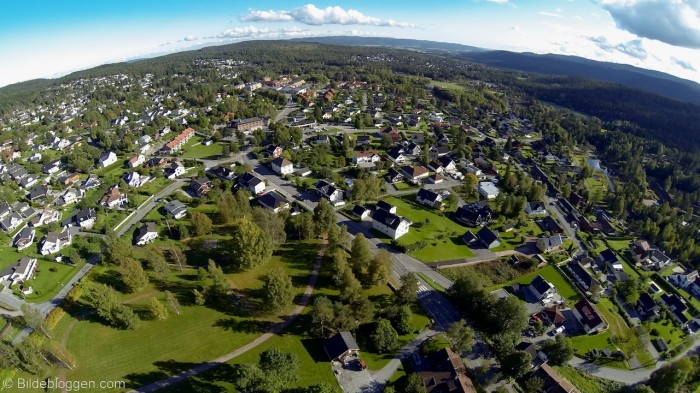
393	176
582	278
273	151
24	238
154	162
396	156
648	257
174	170
146	234
107	158
361	212
589	316
28	181
435	167
222	172
282	166
45	216
660	345
445	372
175	209
55	241
386	206
447	163
132	179
550	244
537	357
21	270
549	224
435	179
10	221
200	185
179	141
341	346
535	208
553	382
38	193
113	198
488	190
646	306
274	201
541	288
439	151
390	224
84	219
677	307
70	196
415	173
247	125
413	149
363	157
363	140
429	198
552	315
250	182
91	182
51	168
329	191
488	238
473	215
136	160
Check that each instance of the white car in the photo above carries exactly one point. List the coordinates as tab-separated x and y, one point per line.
558	330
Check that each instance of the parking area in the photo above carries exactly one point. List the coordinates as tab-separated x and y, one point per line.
352	377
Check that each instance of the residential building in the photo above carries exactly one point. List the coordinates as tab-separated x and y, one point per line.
588	316
92	181
550	244
552	315
415	173
553	382
473	215
200	185
488	190
393	176
147	233
174	170
363	157
136	160
222	172
84	219
107	158
342	345
329	191
273	151
24	238
45	216
361	212
646	306
70	196
444	371
248	125
541	289
677	306
582	278
282	166
386	206
114	198
19	271
274	201
175	209
51	168
179	141
390	224
250	182
535	208
429	198
55	241
38	193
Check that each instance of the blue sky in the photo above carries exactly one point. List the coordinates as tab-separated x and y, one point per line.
52	38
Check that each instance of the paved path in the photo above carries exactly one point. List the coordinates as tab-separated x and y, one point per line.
383	375
275	329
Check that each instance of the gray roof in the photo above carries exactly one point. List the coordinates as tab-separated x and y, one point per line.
339	344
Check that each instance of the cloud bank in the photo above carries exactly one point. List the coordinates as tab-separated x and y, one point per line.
675	22
312	15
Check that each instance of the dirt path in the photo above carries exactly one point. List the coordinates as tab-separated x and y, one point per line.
276	328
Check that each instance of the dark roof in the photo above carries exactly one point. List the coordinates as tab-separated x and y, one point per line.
589	315
607	255
281	161
389	219
273	200
358	210
540	284
339	344
553	382
527	347
646	302
38	192
445	161
487	236
674	301
428	195
174	207
385	205
147	227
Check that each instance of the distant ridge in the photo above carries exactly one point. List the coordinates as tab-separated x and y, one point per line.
648	80
399	43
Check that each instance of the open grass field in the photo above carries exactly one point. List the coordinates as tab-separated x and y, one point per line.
586	383
443	237
671	334
201	151
161	348
509	241
446	85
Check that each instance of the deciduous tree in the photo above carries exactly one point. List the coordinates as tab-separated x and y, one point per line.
250	246
384	338
278	290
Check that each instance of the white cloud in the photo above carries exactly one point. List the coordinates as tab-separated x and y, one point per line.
684	64
550	14
675	22
312	15
633	48
498	1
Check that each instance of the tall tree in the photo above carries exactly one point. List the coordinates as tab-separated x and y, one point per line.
158	310
272	224
384	338
324	217
156	262
281	368
172	302
220	285
461	337
34	319
250	246
133	275
380	268
201	223
408	289
277	289
516	364
559	351
360	254
671	377
323	313
117	248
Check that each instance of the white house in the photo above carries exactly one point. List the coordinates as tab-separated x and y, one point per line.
19	271
488	190
146	233
365	157
282	166
174	170
429	198
535	208
107	158
330	192
390	224
132	179
24	238
113	198
176	209
70	196
136	160
55	241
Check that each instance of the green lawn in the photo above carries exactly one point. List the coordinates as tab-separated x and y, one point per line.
551	274
46	282
200	151
402	185
446	85
671	334
586	383
509	241
443	236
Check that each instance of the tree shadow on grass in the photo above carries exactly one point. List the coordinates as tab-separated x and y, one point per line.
112	278
167	368
243	326
314	347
